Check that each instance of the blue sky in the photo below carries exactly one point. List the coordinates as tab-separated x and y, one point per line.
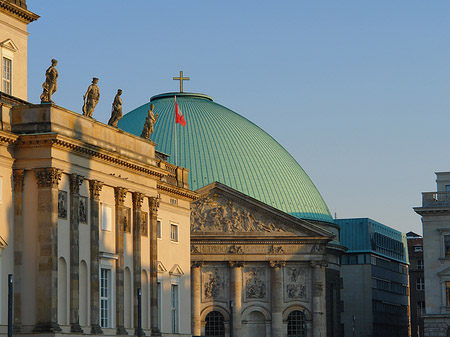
357	91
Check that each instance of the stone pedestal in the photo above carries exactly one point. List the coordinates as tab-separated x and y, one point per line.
153	203
95	187
196	298
18	248
47	254
75	182
236	296
276	297
318	299
120	195
138	199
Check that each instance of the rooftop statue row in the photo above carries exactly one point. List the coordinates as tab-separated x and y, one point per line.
91	99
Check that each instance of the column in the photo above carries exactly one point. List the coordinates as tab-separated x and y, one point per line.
47	254
153	203
18	248
236	296
120	195
95	187
276	297
196	298
75	182
318	299
138	199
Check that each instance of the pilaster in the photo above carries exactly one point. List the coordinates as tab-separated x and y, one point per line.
138	199
75	182
318	298
276	297
196	298
95	187
120	195
47	254
153	203
236	295
18	248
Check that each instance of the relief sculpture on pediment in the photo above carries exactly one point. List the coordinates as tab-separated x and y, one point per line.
222	215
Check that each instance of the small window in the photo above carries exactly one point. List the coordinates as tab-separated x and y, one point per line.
158	229
420	264
447	290
106	217
418	248
420	284
7	76
173	201
447	188
447	245
421	307
105	298
174	307
174	233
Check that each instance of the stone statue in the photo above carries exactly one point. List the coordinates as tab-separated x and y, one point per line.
116	112
150	120
50	84
91	98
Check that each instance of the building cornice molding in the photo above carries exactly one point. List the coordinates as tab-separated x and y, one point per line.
215	240
18	12
184	193
7	138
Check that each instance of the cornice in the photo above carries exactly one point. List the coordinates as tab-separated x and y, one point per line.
88	150
432	210
257	241
176	191
19	12
7	138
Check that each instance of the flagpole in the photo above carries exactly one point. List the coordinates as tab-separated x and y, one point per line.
175	131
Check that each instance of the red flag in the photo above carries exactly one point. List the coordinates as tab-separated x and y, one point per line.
179	118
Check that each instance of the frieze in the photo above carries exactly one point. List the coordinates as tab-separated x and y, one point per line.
296	278
276	250
251	249
213	284
222	215
235	249
255	283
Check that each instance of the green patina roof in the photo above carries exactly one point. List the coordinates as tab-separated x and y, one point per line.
217	144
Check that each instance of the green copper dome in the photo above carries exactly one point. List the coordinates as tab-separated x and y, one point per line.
217	144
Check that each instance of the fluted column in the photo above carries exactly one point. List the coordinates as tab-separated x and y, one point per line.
18	248
95	187
153	203
236	295
276	298
120	195
75	182
138	199
318	299
47	254
196	298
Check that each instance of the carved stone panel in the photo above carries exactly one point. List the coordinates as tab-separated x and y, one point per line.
296	278
83	210
144	223
126	216
255	284
62	204
213	284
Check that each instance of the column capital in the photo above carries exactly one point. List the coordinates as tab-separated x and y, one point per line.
95	187
236	264
18	180
75	182
153	202
319	264
138	199
48	177
277	264
197	264
120	194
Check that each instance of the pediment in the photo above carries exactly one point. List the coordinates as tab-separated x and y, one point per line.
445	272
161	268
221	209
176	271
9	44
3	243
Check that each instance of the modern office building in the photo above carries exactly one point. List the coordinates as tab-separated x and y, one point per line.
375	279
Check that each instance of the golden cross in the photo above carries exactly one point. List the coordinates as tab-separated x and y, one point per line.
181	79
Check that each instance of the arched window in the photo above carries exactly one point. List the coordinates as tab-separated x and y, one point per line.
214	325
296	326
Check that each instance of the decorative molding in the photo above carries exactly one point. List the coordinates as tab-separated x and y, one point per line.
236	264
120	193
9	44
138	199
48	177
277	264
18	180
75	182
276	250
95	187
176	271
176	191
108	256
19	12
161	268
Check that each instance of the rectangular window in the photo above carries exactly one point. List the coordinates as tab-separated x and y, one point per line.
105	298
106	217
420	264
174	233
447	290
7	76
420	284
158	229
421	308
447	245
418	248
174	307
